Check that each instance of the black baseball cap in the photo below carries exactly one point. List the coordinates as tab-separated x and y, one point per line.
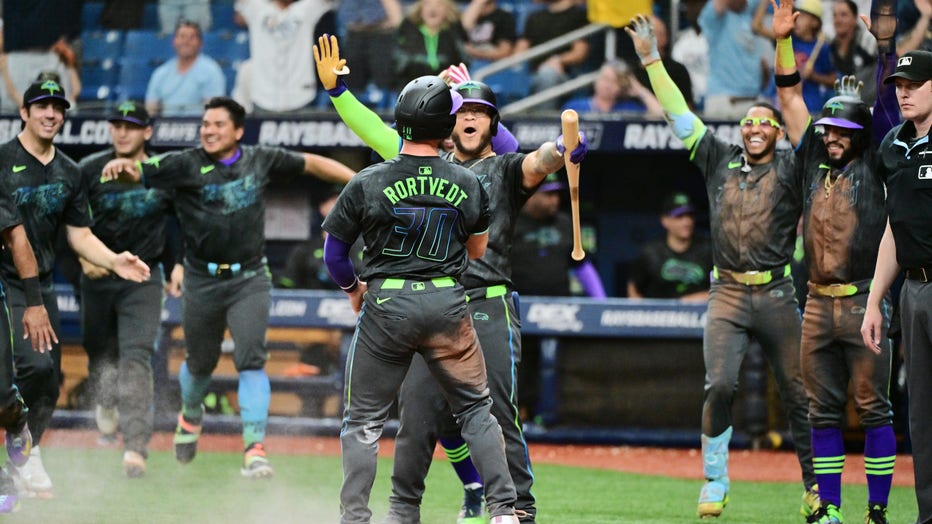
551	183
915	66
677	204
132	112
43	90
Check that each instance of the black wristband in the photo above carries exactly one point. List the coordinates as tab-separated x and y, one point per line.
33	291
789	80
352	287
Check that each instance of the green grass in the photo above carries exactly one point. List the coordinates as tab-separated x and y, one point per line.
90	488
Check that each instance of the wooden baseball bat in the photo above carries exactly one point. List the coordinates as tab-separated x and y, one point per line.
570	122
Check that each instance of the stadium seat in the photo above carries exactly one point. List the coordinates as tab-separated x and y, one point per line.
221	15
134	79
100	46
150	17
98	84
511	84
228	48
90	16
148	46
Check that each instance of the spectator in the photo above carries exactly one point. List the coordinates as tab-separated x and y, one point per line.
738	60
677	266
172	12
692	50
812	56
854	50
490	30
429	39
917	37
560	17
67	61
181	86
371	26
541	265
617	90
677	71
281	78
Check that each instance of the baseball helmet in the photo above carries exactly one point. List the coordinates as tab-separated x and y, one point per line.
426	109
476	92
848	112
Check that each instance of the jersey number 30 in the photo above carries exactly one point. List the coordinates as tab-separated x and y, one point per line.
428	230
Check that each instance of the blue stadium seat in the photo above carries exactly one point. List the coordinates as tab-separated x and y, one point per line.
134	79
144	45
100	46
150	17
90	15
521	12
228	48
511	84
221	15
98	83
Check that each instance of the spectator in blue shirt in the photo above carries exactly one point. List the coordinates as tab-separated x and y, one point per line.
617	90
182	85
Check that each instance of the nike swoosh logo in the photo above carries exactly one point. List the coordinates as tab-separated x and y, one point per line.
206	169
17	169
380	300
732	165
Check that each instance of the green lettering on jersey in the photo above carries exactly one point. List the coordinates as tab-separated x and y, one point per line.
424	185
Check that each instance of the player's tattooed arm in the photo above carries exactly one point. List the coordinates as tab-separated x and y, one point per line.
540	163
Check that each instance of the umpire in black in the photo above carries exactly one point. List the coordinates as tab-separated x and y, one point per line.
906	169
421	218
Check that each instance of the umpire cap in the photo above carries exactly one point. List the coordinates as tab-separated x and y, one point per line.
426	109
475	92
915	66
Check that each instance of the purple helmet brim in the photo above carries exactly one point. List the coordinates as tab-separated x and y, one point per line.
457	102
837	122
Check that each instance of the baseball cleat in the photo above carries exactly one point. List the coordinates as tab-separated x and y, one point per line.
18	445
712	499
826	514
134	464
811	501
255	463
876	514
472	510
186	435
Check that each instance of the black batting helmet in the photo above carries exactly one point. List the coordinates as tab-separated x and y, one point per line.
477	92
426	109
849	112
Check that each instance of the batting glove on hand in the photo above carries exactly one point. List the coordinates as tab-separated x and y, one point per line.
645	41
848	85
458	74
579	153
330	67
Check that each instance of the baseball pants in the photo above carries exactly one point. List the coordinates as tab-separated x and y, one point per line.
12	414
770	314
399	319
425	415
916	317
121	322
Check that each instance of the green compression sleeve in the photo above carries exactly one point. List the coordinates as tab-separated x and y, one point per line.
686	125
367	125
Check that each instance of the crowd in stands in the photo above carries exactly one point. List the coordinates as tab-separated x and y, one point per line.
258	51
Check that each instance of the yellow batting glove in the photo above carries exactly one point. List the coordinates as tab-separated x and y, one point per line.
329	64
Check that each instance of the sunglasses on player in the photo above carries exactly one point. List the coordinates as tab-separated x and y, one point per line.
763	121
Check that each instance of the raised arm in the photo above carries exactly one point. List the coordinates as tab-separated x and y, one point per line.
882	25
361	120
548	158
757	23
786	75
326	169
686	125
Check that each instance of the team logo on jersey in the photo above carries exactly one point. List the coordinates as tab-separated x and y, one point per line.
425	170
925	172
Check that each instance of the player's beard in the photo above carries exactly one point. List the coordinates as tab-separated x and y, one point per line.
846	157
484	140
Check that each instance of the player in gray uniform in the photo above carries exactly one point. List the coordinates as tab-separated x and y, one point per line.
907	245
843	222
120	319
420	218
755	200
218	190
46	186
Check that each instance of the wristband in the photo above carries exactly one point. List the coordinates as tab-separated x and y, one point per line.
785	55
789	80
33	291
352	287
338	89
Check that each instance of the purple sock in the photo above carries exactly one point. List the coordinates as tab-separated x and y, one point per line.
458	453
879	458
828	458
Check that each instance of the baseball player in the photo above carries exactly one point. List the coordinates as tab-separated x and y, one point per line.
46	186
755	198
421	219
218	190
510	179
907	245
843	222
125	216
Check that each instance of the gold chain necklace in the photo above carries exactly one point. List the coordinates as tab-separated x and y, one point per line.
830	182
